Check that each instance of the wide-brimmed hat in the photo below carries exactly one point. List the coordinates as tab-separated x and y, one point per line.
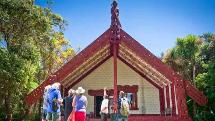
80	90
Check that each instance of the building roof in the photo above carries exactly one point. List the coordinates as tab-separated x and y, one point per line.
129	50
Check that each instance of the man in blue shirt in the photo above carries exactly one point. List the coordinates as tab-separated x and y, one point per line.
54	102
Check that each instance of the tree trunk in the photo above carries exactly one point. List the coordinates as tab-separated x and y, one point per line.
8	107
24	114
194	83
9	117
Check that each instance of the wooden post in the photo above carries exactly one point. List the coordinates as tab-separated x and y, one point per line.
115	75
114	41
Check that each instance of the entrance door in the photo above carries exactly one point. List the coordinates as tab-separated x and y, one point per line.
98	102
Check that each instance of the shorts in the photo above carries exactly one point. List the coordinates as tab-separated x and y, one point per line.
55	116
113	116
104	116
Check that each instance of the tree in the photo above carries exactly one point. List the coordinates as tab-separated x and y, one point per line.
205	80
193	58
31	38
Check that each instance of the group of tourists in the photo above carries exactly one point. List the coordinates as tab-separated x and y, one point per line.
75	105
107	107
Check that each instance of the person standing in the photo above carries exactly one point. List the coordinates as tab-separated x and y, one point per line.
124	107
111	110
54	102
67	104
80	104
104	106
45	102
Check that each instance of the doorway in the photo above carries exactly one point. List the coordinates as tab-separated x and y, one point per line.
98	102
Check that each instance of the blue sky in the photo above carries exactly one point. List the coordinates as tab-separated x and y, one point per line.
154	23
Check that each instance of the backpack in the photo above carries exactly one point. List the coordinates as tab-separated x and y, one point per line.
54	105
124	110
53	100
110	106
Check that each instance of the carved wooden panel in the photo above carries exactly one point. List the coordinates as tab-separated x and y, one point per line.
195	94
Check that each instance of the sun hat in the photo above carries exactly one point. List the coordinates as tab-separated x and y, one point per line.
80	90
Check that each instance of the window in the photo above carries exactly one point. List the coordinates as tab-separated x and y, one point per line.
131	92
132	99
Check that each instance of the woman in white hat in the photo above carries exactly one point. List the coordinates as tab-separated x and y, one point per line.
80	104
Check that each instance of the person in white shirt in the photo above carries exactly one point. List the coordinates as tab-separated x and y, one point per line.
104	107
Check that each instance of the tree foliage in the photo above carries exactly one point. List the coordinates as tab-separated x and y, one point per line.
32	46
194	58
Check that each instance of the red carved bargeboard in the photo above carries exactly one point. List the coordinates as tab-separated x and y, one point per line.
195	94
64	71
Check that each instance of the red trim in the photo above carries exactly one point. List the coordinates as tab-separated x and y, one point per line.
156	63
173	99
165	70
146	55
115	76
195	94
167	97
162	101
181	97
74	63
135	106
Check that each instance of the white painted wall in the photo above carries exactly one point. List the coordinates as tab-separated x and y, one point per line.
148	95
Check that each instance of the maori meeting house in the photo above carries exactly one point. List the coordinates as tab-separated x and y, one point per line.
119	62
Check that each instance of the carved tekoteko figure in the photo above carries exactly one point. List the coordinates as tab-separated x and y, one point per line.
115	23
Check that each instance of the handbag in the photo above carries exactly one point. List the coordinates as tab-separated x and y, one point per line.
71	116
